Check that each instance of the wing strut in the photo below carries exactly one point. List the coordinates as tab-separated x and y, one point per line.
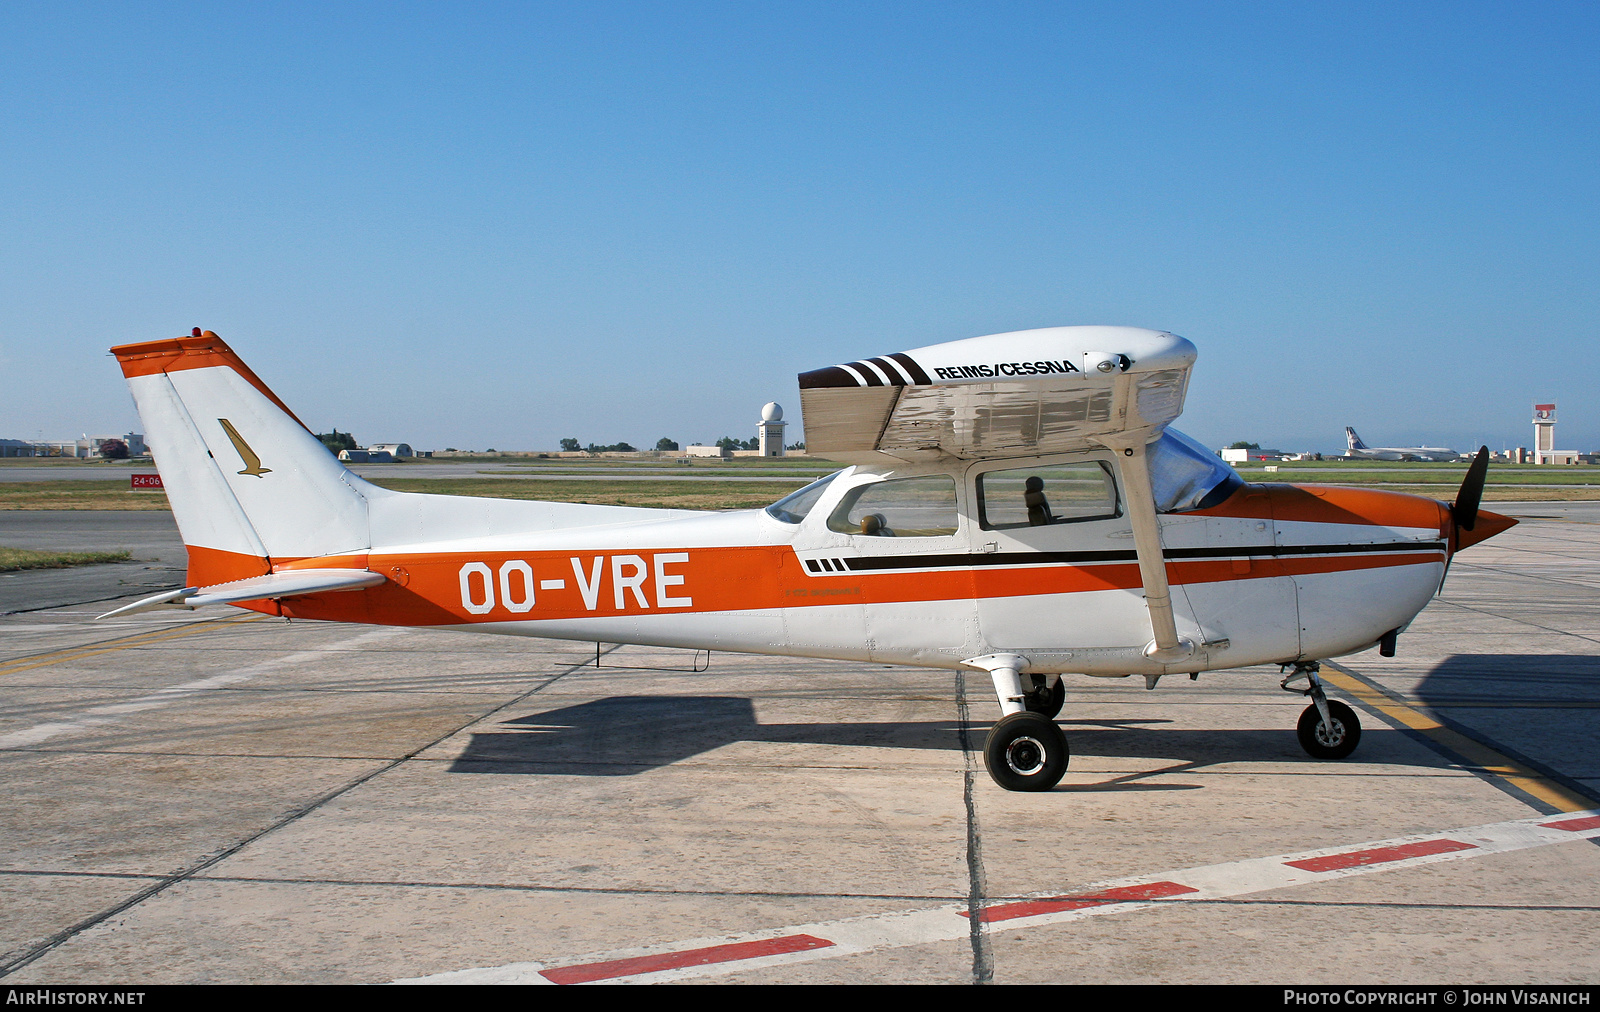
1133	461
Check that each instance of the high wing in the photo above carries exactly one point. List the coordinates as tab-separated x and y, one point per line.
1053	390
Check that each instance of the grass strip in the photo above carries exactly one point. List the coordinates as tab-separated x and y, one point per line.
12	559
1390	479
714	463
683	495
77	495
687	494
1491	493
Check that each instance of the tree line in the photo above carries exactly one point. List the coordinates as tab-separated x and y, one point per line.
571	445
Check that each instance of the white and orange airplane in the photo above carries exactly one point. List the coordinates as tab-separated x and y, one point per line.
1014	504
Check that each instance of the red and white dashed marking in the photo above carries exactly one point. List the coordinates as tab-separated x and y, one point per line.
806	942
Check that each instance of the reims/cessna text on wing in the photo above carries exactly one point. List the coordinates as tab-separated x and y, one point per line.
1014	504
1354	447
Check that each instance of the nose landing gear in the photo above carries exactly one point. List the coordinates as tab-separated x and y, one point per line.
1328	729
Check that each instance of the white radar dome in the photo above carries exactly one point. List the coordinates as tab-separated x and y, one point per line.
773	412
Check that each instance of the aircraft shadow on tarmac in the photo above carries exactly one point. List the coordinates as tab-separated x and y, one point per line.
1519	680
627	735
1544	708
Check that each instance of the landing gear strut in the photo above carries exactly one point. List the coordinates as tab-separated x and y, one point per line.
1328	729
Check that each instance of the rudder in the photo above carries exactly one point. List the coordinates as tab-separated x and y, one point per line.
249	484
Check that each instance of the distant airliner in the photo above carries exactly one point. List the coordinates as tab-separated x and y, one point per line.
1356	448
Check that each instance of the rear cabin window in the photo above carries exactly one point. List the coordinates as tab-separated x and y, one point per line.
1043	495
899	508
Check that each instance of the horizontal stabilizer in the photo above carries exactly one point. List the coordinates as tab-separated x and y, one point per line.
291	583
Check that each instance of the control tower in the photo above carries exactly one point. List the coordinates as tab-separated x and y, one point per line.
1544	433
770	430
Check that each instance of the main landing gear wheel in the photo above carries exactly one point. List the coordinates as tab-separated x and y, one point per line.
1026	752
1323	742
1047	700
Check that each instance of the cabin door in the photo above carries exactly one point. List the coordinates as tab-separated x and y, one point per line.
1054	567
1237	593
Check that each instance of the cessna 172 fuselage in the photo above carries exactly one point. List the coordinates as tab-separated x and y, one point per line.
1015	504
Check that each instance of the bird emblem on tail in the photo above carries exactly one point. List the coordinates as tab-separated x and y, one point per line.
252	463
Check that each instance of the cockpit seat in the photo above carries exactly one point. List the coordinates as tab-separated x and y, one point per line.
1038	507
877	525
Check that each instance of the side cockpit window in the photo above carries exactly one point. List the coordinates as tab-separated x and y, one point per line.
1038	496
899	508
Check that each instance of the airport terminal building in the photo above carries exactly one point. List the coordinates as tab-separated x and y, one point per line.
84	447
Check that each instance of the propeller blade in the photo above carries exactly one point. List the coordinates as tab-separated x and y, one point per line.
1469	524
1465	509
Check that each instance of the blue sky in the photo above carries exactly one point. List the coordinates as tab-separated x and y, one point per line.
487	224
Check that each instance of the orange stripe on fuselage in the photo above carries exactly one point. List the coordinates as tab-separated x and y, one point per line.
179	353
428	590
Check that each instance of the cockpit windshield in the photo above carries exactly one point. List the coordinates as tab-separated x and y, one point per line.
1187	476
792	508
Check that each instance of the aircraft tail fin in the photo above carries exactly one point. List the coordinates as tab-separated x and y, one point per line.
1353	441
249	484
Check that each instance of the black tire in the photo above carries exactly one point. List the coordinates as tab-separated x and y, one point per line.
1321	743
1047	702
1026	752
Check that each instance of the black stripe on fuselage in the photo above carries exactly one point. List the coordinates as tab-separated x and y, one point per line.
962	560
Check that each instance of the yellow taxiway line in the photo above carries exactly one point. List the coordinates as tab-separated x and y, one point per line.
1476	753
136	640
